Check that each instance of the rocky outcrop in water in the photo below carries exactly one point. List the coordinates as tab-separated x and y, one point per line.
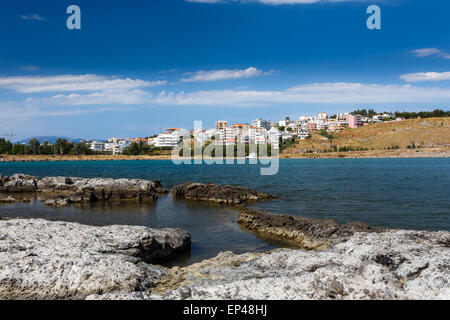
61	191
303	233
395	264
223	194
41	259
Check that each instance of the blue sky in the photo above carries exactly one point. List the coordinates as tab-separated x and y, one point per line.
138	66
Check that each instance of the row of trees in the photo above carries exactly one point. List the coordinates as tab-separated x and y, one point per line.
365	113
406	115
34	147
62	146
142	148
423	114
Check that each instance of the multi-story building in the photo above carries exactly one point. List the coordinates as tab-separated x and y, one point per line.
354	120
240	131
323	115
257	135
311	126
321	124
303	134
221	125
97	146
227	136
171	138
167	140
274	137
260	123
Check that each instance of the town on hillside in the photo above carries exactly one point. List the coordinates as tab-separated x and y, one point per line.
258	132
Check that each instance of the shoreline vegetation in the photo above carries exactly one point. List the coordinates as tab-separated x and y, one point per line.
438	152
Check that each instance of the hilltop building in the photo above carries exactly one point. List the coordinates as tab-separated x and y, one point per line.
354	120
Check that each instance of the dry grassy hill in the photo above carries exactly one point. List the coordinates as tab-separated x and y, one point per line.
431	133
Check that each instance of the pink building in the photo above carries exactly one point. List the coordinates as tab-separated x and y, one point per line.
311	126
354	120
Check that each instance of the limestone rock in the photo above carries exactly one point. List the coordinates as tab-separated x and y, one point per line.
65	190
395	264
41	259
303	233
218	193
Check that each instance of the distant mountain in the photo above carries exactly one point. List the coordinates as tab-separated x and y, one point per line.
51	139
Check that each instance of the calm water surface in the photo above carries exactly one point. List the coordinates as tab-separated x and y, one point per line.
390	193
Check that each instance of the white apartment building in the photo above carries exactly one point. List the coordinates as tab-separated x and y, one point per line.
167	140
302	134
151	141
227	136
123	144
97	146
321	124
282	123
323	115
260	123
257	135
274	137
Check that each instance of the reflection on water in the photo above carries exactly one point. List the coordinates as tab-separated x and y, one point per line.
213	228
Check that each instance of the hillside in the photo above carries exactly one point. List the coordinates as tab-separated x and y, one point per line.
415	135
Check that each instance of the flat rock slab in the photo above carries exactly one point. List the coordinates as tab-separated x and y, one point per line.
303	233
223	194
66	190
396	264
41	259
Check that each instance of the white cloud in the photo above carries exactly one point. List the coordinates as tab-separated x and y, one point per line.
32	17
122	97
330	93
93	93
431	52
215	75
425	76
64	83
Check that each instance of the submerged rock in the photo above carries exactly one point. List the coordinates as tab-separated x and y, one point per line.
8	199
41	259
65	190
395	264
218	193
303	233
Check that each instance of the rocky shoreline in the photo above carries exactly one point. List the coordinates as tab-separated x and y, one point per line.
62	191
41	259
58	260
432	152
393	264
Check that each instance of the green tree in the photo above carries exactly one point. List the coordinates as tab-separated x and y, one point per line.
81	148
46	148
62	146
34	146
